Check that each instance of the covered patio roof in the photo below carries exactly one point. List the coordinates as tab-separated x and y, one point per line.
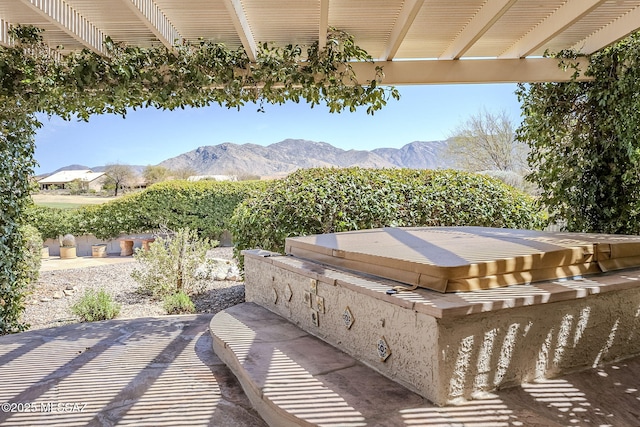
417	41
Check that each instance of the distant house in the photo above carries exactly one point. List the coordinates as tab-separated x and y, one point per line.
90	180
212	178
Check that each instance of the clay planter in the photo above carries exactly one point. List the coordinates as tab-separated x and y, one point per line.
44	252
99	251
67	252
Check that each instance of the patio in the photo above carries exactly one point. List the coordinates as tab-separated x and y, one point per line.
162	371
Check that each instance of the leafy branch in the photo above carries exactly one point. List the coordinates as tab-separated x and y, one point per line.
190	74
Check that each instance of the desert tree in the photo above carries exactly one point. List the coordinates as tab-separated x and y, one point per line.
119	176
486	142
157	173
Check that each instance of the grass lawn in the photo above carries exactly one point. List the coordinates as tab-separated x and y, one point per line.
68	202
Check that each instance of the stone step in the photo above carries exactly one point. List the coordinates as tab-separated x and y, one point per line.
295	379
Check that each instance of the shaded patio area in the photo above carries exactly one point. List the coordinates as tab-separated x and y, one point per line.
162	371
149	371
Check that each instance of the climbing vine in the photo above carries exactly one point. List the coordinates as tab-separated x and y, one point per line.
191	74
34	78
585	151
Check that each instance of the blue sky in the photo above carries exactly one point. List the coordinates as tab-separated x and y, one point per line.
149	136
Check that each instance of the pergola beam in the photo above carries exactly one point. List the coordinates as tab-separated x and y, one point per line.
69	21
324	24
468	71
241	24
156	21
480	24
405	19
563	18
5	40
611	33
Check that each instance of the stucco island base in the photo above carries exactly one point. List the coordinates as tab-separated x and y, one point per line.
454	346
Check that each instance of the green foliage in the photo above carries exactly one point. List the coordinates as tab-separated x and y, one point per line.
178	303
314	201
204	206
189	74
171	264
33	254
52	222
95	306
17	130
585	150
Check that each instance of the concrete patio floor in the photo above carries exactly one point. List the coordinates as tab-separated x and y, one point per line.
146	372
162	371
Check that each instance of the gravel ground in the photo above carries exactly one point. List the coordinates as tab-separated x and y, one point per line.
56	291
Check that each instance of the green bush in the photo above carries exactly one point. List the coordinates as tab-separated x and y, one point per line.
52	222
314	201
178	303
32	260
171	264
95	306
204	206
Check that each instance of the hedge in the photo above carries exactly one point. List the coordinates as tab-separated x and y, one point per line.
324	200
205	206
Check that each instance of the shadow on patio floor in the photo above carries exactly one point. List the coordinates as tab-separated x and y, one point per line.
149	371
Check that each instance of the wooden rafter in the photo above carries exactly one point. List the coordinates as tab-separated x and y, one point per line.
480	24
241	24
70	21
157	22
405	19
563	18
324	23
611	33
5	40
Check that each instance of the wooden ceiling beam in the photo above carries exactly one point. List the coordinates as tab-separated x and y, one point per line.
156	21
243	29
480	24
324	23
401	27
560	20
467	71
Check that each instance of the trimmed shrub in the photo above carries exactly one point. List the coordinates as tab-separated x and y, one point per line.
171	264
314	201
95	306
178	303
204	206
52	222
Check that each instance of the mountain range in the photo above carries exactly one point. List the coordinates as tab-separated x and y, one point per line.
286	156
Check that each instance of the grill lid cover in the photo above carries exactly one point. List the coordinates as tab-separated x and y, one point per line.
450	259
